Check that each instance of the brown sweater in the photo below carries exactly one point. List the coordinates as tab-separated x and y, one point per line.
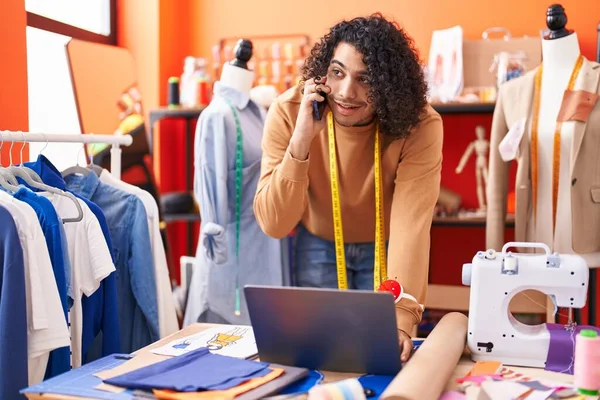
291	191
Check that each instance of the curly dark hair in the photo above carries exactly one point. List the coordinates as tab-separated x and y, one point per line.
397	85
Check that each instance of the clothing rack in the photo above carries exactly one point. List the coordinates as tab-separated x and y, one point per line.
115	141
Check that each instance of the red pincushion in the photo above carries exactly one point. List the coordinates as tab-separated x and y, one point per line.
393	287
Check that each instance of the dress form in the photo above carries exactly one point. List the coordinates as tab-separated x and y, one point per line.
235	74
560	50
232	249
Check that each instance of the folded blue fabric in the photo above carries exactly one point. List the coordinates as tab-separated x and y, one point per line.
195	371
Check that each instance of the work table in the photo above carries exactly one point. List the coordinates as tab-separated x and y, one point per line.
145	357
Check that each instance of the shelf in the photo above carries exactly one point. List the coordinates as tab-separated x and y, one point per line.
464	108
168	218
468	221
176	112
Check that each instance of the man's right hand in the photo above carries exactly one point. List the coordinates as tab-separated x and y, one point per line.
307	126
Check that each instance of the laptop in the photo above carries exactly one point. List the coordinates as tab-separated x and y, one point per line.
325	329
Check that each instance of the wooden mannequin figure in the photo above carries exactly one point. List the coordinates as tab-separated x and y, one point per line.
481	147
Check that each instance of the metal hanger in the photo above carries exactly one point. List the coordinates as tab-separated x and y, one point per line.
20	172
77	169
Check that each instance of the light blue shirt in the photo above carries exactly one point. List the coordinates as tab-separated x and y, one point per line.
261	258
136	283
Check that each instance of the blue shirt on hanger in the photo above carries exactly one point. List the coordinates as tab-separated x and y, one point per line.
127	221
13	313
59	360
100	310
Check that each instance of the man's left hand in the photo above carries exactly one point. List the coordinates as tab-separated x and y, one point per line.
406	345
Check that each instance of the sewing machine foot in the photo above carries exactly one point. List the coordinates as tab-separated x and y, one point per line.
570	326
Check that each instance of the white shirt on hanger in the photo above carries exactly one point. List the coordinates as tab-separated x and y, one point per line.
46	326
167	317
90	258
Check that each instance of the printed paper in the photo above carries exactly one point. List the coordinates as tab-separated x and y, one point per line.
230	340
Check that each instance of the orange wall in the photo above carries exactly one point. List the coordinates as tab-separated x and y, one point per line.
160	33
13	71
157	32
224	18
174	40
174	45
137	31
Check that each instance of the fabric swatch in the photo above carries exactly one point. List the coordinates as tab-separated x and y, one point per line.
220	394
191	372
562	347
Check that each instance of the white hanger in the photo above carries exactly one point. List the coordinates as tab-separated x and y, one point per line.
76	169
20	172
95	168
7	180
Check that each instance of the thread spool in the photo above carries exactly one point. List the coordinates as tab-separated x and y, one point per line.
586	371
173	92
347	389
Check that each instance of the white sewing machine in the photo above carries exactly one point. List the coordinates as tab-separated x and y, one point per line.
495	278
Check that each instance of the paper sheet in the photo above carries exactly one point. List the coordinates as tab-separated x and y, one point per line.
231	340
82	382
500	390
540	395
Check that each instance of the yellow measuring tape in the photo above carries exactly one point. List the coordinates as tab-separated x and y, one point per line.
380	269
557	139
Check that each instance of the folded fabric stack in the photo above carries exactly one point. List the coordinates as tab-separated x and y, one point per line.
198	374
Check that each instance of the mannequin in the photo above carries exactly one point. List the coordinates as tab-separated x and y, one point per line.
572	225
232	249
235	74
560	50
481	147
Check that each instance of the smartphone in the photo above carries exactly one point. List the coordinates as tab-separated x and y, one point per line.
319	106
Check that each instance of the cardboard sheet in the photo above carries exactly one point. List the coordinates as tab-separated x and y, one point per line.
82	382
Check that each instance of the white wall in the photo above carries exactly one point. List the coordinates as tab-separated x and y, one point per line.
51	101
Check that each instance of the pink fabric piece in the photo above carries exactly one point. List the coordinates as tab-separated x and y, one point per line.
479	378
453	396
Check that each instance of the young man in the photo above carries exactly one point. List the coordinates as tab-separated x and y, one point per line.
369	73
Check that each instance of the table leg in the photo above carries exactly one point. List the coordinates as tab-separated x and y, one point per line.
592	298
153	120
